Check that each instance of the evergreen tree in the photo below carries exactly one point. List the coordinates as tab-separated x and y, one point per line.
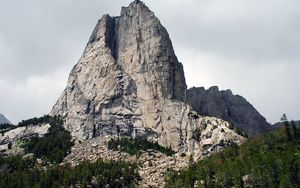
296	131
284	120
264	161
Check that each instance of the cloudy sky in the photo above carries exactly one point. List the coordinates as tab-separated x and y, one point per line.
249	46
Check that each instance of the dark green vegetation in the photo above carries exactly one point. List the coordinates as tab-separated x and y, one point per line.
35	121
135	146
6	127
24	123
238	130
16	172
54	146
270	160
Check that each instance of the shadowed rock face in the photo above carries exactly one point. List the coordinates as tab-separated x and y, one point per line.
232	108
129	82
4	120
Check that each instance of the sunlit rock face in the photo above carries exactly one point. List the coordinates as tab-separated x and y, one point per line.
129	82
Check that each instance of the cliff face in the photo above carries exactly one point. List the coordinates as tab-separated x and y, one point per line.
129	82
232	108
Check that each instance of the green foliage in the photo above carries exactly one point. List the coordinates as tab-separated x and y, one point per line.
5	126
284	118
291	131
268	160
35	121
54	146
17	172
135	146
239	131
15	163
285	122
296	131
288	130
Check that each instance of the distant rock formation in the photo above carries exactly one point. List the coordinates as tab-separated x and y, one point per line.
4	120
281	125
232	108
129	82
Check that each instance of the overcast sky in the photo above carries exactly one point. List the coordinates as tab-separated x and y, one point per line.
249	46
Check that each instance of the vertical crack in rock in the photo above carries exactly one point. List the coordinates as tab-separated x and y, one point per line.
111	36
129	82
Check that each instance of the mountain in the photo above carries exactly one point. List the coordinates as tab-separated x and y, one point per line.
126	119
129	82
232	108
4	120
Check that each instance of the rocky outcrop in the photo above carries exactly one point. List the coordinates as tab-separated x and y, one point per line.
3	120
129	82
22	133
153	165
232	108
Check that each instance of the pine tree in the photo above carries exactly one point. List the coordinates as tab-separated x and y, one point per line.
284	120
296	131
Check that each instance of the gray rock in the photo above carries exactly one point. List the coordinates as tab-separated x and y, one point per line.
4	120
23	132
232	108
129	82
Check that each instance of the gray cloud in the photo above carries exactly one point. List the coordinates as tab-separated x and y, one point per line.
253	31
249	46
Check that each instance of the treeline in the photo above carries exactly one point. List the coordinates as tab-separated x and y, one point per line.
270	160
17	172
292	131
6	127
54	145
238	130
35	121
24	123
135	146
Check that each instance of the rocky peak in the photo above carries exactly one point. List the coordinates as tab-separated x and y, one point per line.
130	82
4	120
213	89
136	8
232	108
140	44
